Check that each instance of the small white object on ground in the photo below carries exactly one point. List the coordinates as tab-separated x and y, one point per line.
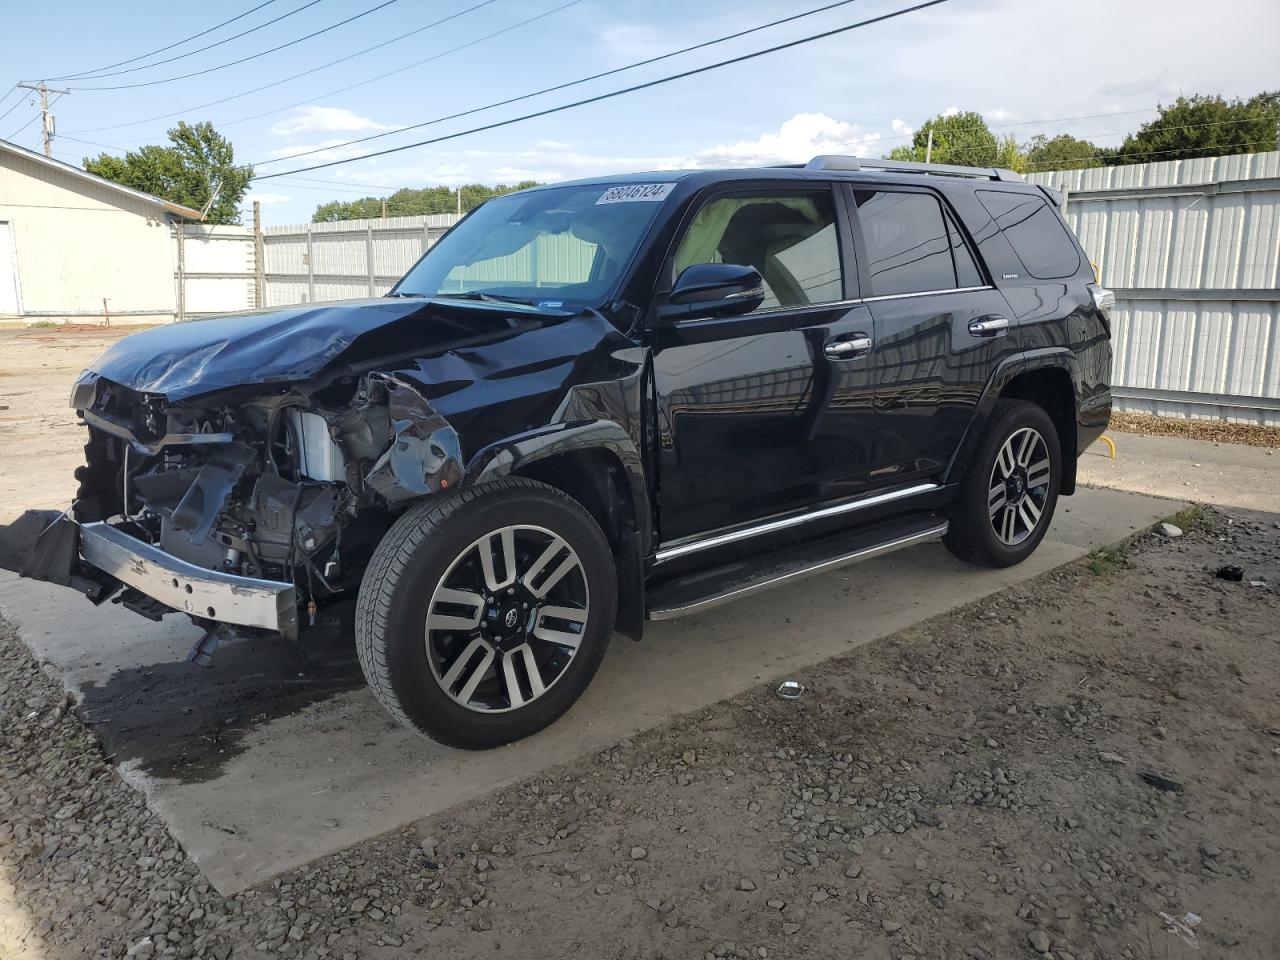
1170	531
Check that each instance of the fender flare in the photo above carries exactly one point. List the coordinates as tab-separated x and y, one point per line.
1047	358
507	456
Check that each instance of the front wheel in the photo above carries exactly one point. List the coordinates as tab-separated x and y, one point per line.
1006	500
484	614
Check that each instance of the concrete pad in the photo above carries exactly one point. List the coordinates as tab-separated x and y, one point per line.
1226	474
328	768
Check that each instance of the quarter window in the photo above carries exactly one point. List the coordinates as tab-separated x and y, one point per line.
790	239
1035	232
911	246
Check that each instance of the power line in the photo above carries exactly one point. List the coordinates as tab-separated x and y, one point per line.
17	103
572	83
625	90
254	56
176	43
43	111
276	83
409	66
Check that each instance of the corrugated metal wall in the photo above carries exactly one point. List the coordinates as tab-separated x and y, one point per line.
215	269
1192	249
344	260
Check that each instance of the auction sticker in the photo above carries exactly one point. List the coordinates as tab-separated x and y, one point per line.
633	192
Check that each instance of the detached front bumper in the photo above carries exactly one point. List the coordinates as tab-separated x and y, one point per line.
59	551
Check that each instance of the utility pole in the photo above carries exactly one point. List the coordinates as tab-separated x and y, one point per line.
46	124
928	150
459	201
384	208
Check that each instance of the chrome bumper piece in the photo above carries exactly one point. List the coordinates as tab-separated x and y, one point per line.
209	594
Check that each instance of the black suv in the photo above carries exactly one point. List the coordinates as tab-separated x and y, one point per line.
590	404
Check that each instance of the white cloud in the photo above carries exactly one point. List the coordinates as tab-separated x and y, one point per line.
798	140
902	130
999	115
327	120
950	111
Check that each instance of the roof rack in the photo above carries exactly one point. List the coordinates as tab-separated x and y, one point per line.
838	162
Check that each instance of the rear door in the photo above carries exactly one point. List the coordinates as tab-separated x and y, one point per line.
941	327
768	412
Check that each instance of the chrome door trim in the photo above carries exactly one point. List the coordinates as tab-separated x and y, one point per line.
785	523
924	293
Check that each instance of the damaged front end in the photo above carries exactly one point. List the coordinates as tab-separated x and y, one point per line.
252	507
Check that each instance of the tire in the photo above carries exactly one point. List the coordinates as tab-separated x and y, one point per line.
466	677
991	519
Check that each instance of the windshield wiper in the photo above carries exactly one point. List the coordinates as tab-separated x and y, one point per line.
486	297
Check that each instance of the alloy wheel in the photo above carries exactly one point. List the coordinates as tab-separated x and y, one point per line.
507	618
1019	486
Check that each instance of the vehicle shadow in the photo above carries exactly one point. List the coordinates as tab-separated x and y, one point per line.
179	721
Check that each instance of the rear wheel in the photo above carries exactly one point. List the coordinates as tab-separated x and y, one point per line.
1007	499
483	615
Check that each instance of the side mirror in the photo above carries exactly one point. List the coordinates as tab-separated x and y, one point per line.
713	290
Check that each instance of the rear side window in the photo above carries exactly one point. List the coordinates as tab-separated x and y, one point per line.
912	246
1035	232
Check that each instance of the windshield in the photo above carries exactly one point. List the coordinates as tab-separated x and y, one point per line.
557	247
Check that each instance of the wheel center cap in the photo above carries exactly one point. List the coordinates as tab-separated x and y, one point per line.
511	619
1016	487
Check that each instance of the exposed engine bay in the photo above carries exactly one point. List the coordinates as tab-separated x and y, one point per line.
295	486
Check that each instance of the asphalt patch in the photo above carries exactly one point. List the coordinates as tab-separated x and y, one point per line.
185	722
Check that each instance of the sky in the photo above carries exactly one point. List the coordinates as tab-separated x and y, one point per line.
1029	66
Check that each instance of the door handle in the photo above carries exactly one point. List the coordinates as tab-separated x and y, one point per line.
989	327
850	349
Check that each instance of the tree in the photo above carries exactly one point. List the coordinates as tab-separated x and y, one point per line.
962	139
412	203
1206	126
198	170
1063	152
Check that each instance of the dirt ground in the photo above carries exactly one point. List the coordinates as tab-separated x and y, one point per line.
1045	773
40	443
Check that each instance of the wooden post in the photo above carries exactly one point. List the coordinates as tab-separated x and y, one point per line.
259	259
368	260
311	269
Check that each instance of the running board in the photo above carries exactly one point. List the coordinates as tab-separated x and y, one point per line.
733	581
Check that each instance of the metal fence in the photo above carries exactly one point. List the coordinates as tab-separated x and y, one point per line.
1192	250
214	270
344	260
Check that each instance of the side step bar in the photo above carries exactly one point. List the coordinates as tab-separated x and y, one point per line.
733	581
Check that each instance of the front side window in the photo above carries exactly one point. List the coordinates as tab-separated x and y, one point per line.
789	239
1035	232
561	246
909	243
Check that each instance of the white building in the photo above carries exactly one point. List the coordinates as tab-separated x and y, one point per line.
74	246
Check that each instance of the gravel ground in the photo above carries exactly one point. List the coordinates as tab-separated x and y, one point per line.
1217	431
1042	774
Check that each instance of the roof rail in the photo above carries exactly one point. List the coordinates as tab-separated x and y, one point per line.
838	162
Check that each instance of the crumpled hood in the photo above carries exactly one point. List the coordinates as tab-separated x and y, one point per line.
297	343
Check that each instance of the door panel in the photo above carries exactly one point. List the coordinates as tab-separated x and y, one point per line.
930	371
940	328
754	417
